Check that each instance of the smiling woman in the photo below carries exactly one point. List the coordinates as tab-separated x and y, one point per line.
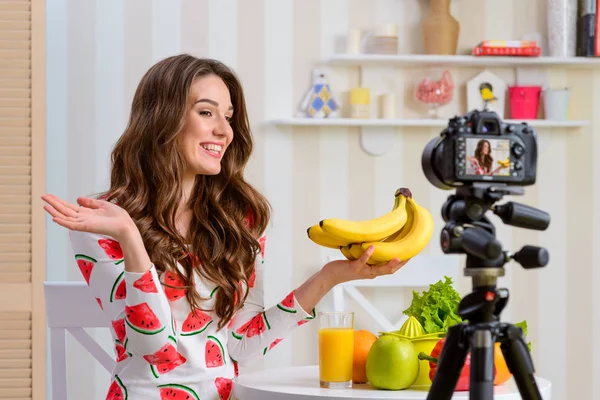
208	129
174	250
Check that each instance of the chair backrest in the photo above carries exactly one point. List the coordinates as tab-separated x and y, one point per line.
419	272
70	307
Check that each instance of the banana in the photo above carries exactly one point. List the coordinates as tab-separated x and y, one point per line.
345	251
316	234
504	163
373	229
405	229
408	245
355	250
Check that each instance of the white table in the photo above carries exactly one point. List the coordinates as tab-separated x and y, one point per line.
302	383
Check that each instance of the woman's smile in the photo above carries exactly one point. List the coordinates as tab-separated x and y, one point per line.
213	149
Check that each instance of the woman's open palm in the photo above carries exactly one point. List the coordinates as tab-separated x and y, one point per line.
89	215
345	270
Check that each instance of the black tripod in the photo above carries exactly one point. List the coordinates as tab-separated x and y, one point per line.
468	230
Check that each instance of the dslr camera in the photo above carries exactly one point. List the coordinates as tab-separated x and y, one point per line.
479	147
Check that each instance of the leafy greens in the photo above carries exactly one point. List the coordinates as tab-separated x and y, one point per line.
436	308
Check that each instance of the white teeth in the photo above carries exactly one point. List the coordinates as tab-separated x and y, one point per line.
213	148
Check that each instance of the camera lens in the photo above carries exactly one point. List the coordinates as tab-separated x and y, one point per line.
428	163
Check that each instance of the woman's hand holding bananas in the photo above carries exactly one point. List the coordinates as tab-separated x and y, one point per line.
335	272
399	234
340	271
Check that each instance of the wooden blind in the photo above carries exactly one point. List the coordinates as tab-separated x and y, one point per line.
18	287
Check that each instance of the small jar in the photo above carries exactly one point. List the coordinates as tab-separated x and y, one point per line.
360	103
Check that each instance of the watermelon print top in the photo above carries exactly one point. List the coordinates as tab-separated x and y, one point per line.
163	349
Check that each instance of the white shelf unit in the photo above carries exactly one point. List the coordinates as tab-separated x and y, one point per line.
376	135
462	60
433	123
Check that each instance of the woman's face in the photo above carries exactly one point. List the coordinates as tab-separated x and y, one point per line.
207	131
485	149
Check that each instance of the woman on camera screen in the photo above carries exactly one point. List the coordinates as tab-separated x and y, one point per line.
481	163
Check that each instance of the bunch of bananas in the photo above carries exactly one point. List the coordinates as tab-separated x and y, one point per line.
401	233
504	163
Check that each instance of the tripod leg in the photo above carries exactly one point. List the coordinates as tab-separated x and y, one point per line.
450	364
481	384
519	363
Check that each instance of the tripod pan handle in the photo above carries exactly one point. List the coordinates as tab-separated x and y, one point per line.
481	243
532	257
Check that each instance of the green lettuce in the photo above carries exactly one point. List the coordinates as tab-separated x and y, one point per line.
523	326
436	308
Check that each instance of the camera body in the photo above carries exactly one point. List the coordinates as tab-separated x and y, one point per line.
479	147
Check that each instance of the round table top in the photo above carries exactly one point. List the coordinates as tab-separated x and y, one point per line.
302	383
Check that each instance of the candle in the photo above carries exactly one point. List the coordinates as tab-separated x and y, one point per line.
360	100
387	106
354	41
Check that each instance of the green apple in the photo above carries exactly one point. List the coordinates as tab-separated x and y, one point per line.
392	363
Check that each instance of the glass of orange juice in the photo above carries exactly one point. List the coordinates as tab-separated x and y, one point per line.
336	349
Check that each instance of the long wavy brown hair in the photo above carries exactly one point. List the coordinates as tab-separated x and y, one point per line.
229	215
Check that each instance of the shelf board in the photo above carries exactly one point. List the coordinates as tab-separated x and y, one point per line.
434	123
463	60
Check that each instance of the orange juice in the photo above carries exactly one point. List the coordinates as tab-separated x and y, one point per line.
336	348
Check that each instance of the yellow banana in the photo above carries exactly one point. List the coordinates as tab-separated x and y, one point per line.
410	244
405	229
504	163
316	234
345	251
370	230
356	251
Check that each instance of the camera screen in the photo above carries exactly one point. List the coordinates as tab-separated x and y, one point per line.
488	157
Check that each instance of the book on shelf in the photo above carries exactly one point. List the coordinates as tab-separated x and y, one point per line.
588	26
508	43
597	29
527	51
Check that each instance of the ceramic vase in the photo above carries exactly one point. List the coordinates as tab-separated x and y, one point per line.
440	29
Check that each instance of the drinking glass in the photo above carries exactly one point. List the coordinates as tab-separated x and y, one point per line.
336	349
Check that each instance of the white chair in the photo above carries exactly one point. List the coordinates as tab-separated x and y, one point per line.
70	307
420	272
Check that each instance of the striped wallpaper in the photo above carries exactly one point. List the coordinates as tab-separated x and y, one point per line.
98	50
